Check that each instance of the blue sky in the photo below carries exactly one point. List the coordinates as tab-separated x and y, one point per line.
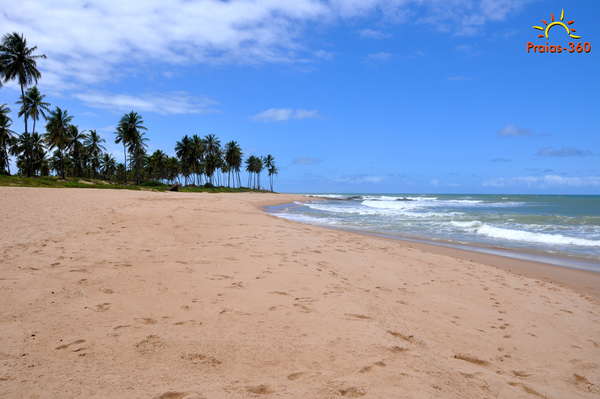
349	96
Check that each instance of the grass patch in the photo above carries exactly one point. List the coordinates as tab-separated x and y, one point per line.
75	182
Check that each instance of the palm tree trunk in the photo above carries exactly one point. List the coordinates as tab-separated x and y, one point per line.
23	99
125	160
62	163
33	131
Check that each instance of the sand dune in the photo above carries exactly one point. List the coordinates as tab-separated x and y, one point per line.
124	294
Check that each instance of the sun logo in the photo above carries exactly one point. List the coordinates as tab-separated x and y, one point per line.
554	23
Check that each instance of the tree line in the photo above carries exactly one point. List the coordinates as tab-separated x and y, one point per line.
64	150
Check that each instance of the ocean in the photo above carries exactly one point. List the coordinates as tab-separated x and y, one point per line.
558	229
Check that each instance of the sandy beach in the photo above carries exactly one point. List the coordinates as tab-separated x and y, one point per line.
131	294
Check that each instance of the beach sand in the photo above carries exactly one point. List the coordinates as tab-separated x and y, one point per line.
126	294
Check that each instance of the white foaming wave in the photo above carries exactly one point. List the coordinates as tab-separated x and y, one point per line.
398	205
522	235
381	211
342	209
335	196
305	218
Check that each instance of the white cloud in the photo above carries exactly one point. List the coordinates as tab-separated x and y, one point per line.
563	152
89	42
544	181
175	103
284	114
373	34
512	130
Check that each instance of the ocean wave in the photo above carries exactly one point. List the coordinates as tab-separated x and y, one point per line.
487	230
306	218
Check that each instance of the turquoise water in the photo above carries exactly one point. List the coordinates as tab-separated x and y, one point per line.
544	224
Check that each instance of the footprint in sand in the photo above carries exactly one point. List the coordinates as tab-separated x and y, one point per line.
352	392
407	338
146	320
366	369
150	344
103	307
179	395
65	346
295	376
261	389
355	316
198	358
471	359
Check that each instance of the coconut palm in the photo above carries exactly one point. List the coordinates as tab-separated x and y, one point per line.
130	126
233	160
57	134
183	150
108	166
197	148
7	139
33	105
19	62
254	166
157	165
30	153
269	162
137	152
79	155
94	148
213	157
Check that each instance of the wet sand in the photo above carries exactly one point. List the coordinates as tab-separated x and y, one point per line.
112	294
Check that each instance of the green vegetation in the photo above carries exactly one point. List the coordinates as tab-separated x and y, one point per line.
79	157
74	182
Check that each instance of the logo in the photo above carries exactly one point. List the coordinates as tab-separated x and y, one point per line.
564	27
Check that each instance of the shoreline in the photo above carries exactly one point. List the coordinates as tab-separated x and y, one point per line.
584	281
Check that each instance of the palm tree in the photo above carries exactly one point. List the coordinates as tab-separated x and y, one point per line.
213	156
172	169
137	152
7	139
183	150
19	62
57	134
269	162
78	151
130	126
94	148
197	156
30	152
33	105
108	166
157	165
233	160
254	165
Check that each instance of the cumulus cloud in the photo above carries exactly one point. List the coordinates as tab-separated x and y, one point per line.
175	103
544	181
373	34
563	152
513	131
284	114
89	42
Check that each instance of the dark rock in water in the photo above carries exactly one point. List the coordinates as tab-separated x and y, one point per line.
404	199
355	197
174	187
